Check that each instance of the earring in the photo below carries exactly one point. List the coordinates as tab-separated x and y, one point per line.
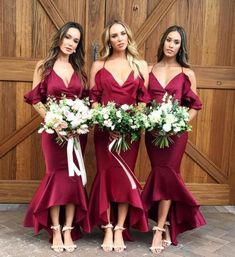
110	46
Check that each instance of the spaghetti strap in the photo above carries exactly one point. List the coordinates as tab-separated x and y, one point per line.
182	69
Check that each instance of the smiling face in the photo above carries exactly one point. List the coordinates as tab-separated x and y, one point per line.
172	44
70	41
118	37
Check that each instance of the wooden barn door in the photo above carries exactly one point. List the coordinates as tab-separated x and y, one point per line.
26	30
209	163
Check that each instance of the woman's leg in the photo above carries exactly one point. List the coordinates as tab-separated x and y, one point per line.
69	217
107	244
119	245
163	209
57	238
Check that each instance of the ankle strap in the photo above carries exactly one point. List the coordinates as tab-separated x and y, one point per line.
67	228
158	229
119	228
57	227
109	225
167	223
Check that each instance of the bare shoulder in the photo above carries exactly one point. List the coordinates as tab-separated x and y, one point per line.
97	65
190	73
38	64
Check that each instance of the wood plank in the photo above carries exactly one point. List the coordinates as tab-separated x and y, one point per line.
13	191
19	135
210	194
152	21
53	13
205	163
215	77
17	69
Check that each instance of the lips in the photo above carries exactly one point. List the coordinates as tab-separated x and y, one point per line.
169	51
68	49
120	45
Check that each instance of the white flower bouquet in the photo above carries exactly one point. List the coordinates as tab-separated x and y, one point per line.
167	119
126	121
67	117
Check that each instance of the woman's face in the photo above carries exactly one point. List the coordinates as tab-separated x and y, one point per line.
118	37
172	44
70	41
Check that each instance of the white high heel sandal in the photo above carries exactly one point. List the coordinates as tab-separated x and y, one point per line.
107	247
166	243
157	249
119	248
57	248
69	248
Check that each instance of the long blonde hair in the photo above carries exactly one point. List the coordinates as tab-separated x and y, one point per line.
131	50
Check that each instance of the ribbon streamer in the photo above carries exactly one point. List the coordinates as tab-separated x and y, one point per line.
131	176
74	145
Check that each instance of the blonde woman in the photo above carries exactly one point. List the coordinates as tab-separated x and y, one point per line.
118	76
60	200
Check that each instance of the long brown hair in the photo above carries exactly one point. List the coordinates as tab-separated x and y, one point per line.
76	59
182	55
131	50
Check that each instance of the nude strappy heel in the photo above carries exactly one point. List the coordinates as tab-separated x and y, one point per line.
69	248
119	248
107	247
57	248
157	249
166	243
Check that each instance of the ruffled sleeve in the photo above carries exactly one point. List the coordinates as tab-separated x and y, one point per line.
142	93
38	94
96	91
189	98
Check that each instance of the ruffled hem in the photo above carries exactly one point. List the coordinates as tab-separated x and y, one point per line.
48	195
165	184
101	196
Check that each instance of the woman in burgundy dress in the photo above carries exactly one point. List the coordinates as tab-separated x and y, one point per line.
165	195
60	199
121	77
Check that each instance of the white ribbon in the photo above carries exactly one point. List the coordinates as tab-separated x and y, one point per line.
74	145
133	184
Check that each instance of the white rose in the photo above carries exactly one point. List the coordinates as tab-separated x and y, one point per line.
125	107
166	127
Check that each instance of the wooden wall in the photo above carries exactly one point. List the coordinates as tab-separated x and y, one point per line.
26	28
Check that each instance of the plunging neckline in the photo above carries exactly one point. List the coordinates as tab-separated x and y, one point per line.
120	85
67	86
169	82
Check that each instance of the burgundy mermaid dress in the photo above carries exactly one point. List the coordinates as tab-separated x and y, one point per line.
164	181
111	184
57	188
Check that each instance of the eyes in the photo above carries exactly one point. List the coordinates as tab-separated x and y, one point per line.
175	41
75	40
115	35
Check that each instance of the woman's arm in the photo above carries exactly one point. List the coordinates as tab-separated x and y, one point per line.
96	66
145	73
192	78
39	107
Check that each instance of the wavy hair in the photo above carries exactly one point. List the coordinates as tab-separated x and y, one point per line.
131	50
182	55
76	59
